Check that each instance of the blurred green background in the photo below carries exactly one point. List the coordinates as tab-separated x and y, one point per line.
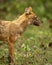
9	9
35	47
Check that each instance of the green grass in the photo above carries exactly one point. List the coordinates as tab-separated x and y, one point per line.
33	48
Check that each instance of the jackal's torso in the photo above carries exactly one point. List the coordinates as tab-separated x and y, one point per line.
4	29
8	30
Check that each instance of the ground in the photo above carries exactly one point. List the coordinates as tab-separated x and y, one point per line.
35	47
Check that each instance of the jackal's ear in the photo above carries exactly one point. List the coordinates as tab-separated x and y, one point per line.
28	10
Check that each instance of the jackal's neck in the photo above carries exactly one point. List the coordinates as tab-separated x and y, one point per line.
22	22
20	19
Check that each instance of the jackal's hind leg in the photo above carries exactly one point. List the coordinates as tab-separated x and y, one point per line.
11	54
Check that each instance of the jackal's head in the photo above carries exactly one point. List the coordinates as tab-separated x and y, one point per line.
32	18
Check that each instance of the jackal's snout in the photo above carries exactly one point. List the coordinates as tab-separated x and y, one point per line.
36	21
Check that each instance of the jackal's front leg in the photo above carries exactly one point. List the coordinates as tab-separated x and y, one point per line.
11	53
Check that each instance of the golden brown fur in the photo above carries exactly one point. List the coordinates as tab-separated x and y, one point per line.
11	30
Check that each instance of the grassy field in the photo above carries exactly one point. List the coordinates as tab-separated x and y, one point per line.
35	47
